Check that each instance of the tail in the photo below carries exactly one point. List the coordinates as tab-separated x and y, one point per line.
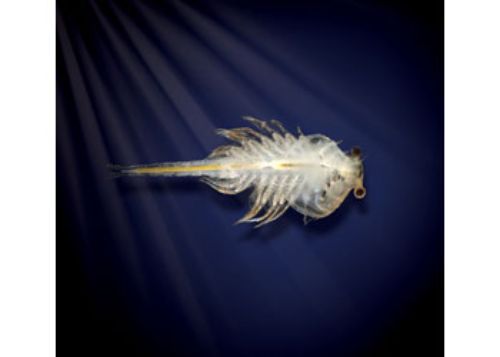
180	168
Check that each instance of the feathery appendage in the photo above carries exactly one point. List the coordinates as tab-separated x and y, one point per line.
309	173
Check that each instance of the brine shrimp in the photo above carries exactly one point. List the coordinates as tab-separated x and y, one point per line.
308	173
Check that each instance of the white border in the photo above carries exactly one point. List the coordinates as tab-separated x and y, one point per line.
472	212
27	187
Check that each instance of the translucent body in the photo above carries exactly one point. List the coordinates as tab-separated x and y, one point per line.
309	173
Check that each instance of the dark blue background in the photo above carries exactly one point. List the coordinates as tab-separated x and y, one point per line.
155	267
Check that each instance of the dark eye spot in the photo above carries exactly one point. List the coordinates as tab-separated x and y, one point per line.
323	194
356	151
359	192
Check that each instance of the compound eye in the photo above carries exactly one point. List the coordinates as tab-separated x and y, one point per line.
360	192
356	151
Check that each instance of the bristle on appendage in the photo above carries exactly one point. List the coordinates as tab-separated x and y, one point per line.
308	173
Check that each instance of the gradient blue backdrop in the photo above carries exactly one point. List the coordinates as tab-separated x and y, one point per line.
155	267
